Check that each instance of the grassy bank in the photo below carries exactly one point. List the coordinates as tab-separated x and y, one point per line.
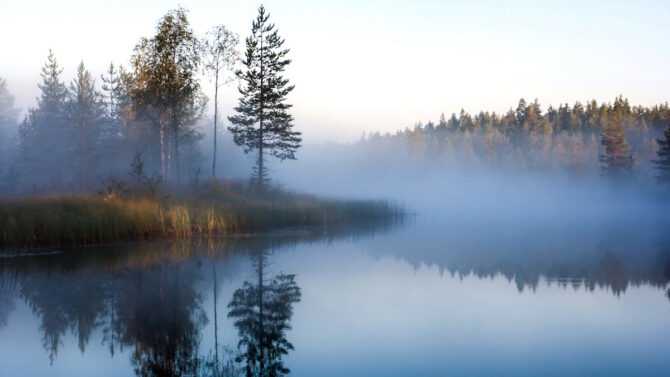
52	221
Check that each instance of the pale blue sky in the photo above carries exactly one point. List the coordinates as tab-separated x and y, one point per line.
380	65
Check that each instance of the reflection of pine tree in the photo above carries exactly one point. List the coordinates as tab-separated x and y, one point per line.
262	311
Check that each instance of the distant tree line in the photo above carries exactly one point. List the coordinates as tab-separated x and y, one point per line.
144	120
614	139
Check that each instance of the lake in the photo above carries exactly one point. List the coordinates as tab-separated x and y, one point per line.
422	297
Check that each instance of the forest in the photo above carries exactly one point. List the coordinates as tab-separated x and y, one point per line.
611	139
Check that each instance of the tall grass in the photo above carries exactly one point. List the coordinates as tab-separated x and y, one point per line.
53	221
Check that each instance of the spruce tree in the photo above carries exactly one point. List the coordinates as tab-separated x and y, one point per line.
85	118
114	102
662	164
118	143
8	122
263	123
43	133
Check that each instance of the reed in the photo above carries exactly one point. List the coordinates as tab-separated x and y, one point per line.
60	220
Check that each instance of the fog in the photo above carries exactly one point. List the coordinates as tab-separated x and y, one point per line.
450	184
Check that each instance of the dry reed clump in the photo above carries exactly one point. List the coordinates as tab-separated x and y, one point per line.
54	221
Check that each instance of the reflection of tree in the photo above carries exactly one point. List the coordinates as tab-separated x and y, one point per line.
216	320
8	285
613	270
64	303
144	298
262	310
6	306
152	308
212	365
663	261
111	330
615	261
161	316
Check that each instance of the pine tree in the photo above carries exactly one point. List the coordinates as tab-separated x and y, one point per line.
263	123
520	112
220	55
85	118
662	164
617	162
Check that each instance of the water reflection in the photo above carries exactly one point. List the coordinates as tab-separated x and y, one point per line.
262	310
148	299
149	304
579	255
153	308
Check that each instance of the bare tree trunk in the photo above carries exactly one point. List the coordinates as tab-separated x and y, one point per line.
175	124
83	157
168	165
162	139
260	130
175	131
176	155
216	108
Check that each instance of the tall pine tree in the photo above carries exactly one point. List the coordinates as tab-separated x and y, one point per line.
617	161
263	123
662	163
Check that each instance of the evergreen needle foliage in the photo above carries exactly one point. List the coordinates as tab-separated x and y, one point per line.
662	163
617	160
263	123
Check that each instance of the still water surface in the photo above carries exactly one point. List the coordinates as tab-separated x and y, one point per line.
427	298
